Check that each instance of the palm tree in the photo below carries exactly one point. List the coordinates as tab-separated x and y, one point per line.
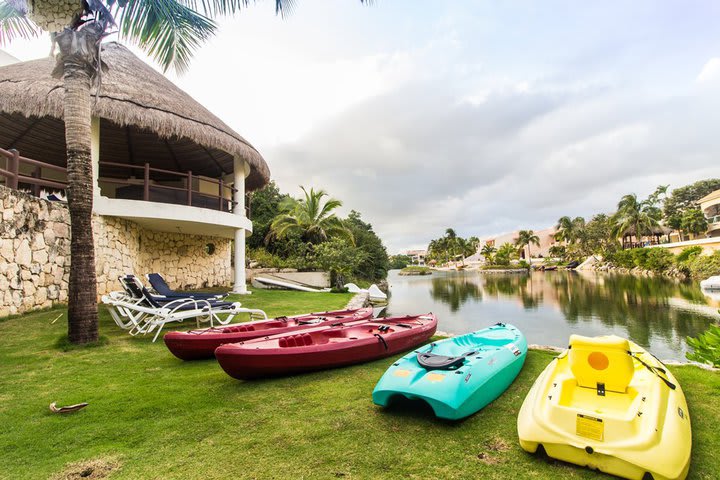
569	230
634	216
488	251
169	30
524	239
311	218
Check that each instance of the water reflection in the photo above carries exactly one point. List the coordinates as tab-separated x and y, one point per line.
657	313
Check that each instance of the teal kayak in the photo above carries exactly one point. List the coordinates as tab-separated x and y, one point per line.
457	376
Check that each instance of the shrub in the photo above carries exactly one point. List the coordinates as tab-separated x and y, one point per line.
622	258
706	347
265	258
704	266
658	259
689	253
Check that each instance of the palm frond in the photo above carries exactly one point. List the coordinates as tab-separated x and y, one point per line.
15	24
167	29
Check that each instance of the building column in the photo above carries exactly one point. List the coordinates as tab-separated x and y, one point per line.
240	171
95	154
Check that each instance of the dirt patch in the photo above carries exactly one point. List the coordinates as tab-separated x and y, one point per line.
492	448
88	470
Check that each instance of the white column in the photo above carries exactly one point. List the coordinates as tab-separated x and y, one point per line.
240	172
95	154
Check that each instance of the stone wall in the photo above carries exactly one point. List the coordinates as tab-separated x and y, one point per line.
35	254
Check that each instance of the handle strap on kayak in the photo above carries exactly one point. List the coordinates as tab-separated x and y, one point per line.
655	370
382	340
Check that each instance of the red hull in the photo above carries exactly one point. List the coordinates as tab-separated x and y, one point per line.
329	347
198	344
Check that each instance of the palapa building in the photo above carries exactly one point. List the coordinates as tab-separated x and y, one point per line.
170	184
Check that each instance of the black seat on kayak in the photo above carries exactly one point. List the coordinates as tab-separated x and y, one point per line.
431	361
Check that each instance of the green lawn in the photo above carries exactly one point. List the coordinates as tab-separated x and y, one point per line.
153	416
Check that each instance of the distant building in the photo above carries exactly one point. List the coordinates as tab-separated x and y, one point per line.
710	206
417	256
7	59
545	236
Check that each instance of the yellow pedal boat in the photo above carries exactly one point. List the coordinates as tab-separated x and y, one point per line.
608	404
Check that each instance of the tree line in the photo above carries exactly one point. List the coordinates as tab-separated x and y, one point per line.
306	233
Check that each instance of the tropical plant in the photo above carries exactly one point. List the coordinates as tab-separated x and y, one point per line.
398	262
311	218
693	221
169	30
505	254
524	239
488	251
569	230
634	217
375	264
706	347
557	251
338	257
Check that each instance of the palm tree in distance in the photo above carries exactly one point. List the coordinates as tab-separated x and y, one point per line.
311	218
488	251
524	239
569	230
169	30
634	218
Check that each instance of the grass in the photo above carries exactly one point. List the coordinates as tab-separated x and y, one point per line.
153	416
415	270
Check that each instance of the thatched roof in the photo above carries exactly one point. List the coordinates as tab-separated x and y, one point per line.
658	230
145	118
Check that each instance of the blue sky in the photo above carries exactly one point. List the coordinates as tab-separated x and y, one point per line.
485	116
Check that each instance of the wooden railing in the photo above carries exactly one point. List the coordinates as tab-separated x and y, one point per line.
186	194
13	177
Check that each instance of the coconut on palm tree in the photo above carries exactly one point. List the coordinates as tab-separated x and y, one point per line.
524	239
169	30
311	218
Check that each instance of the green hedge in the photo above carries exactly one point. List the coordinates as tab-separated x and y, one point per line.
659	260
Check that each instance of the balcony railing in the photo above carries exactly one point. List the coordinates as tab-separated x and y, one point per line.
132	188
713	220
14	177
28	174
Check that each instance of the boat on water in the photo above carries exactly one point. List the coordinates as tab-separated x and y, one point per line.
325	347
608	404
712	283
201	343
457	376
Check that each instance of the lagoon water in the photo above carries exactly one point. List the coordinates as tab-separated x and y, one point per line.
656	313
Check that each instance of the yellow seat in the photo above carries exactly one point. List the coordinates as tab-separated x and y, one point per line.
601	362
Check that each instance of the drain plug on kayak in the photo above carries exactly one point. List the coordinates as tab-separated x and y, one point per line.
589	450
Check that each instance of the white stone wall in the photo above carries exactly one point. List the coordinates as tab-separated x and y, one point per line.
35	254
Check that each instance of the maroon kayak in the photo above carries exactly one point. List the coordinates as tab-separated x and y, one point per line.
320	348
197	344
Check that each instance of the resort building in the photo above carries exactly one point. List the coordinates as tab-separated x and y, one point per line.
546	237
710	206
170	181
417	256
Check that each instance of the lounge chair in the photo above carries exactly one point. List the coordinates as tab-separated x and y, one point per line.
140	319
160	286
135	290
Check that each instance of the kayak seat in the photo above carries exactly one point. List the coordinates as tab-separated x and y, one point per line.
299	340
602	363
432	361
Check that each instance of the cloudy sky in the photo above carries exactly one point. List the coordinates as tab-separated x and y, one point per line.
484	116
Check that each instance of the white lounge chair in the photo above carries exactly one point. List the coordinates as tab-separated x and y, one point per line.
143	320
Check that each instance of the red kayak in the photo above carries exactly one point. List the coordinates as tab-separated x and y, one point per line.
197	344
328	347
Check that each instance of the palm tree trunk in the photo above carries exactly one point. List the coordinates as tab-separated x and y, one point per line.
77	70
